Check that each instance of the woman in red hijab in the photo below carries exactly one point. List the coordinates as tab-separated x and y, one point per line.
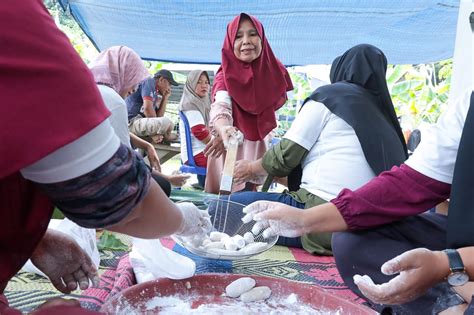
249	87
58	148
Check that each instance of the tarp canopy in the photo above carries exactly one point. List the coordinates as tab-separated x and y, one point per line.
301	32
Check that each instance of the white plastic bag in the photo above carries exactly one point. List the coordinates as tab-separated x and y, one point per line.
151	260
85	238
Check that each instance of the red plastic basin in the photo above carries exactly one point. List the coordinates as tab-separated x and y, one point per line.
209	288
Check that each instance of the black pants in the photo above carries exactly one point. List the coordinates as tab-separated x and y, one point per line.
364	252
163	182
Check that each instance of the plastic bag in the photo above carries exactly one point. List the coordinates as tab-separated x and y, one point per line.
151	260
85	238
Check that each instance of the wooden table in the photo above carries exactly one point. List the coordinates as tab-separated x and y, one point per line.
167	151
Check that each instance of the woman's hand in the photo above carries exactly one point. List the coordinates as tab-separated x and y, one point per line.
153	158
418	270
244	171
215	147
275	219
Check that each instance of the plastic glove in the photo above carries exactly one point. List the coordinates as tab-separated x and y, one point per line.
195	222
275	219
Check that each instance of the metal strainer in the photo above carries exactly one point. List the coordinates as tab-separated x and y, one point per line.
226	217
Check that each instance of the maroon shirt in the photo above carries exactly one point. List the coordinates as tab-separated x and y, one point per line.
391	196
39	72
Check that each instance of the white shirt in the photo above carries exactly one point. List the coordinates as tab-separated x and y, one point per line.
119	117
89	151
77	158
194	118
335	159
436	154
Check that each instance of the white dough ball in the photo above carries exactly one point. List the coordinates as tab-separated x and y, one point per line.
256	294
255	247
248	237
222	251
238	240
217	236
239	286
214	245
230	244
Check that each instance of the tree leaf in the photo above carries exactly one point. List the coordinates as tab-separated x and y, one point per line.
110	242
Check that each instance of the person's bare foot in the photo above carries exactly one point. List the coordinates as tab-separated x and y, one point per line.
157	139
171	136
64	262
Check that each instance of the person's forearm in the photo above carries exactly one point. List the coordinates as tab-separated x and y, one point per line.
160	112
154	217
324	218
207	139
148	109
256	168
137	142
467	256
391	196
441	263
221	122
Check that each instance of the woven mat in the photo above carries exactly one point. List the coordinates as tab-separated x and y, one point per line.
27	290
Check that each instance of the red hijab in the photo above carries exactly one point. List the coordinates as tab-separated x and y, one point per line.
257	89
49	99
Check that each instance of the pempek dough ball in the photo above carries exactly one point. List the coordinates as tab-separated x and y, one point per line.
239	286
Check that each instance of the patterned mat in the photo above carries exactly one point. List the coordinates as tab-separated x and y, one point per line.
27	290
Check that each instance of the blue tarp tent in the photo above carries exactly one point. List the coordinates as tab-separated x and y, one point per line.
301	32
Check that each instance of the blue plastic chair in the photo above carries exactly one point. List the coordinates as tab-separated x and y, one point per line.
191	167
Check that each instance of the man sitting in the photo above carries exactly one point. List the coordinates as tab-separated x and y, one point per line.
146	108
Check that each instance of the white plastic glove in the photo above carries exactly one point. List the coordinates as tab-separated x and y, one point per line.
195	222
275	219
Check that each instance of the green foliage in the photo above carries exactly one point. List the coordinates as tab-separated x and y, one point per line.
109	241
301	90
57	214
68	25
419	92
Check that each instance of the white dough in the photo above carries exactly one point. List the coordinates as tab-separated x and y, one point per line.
230	244
221	251
248	237
256	294
214	245
239	286
238	240
206	241
217	236
254	248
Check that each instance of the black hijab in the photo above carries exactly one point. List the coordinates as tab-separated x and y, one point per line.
358	94
461	206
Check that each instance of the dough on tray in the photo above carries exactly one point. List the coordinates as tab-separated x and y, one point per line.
239	286
256	294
